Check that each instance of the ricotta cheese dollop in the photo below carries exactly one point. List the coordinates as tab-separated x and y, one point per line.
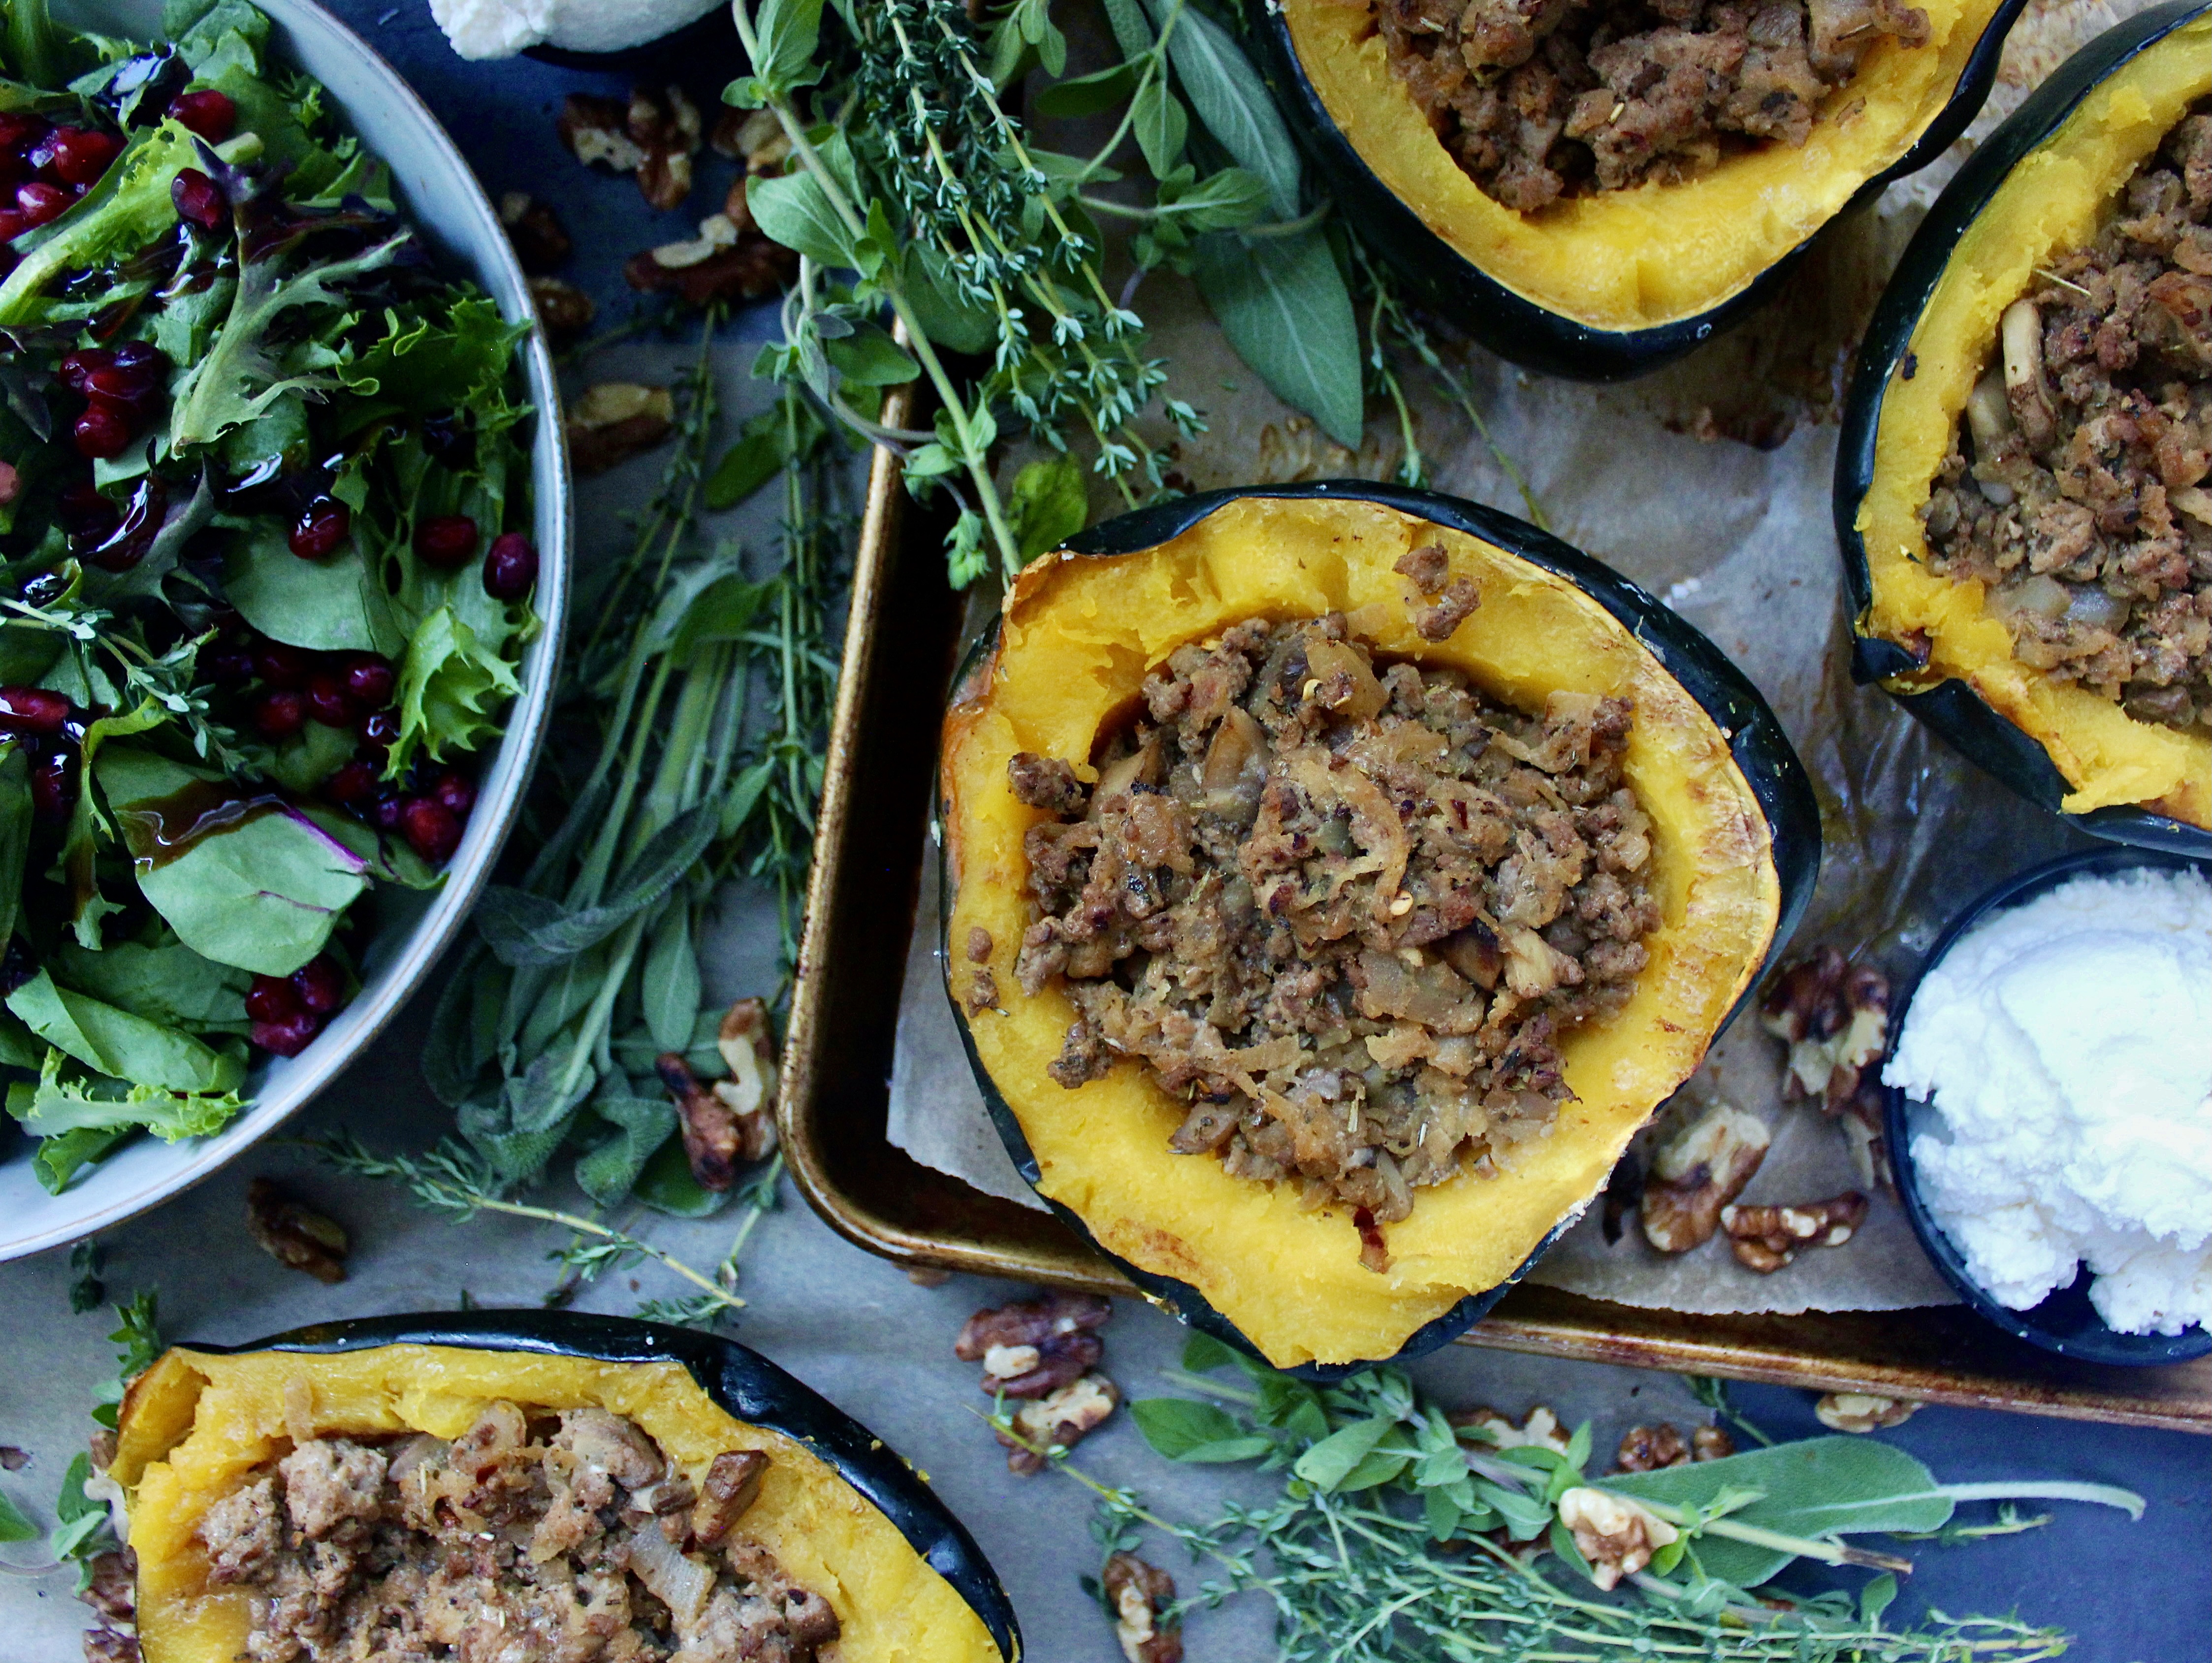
2066	1046
500	28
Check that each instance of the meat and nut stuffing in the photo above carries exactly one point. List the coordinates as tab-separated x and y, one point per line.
1538	99
2075	487
1343	908
564	1538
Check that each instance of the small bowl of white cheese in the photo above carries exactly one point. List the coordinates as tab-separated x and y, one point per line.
2051	1106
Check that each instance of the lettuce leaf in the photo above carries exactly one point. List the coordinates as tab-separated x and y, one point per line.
77	1121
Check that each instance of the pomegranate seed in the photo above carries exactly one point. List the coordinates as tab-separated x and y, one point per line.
132	373
81	154
321	985
284	668
446	540
100	433
322	525
456	792
32	710
379	731
289	1037
328	702
37	202
370	680
20	130
229	664
352	785
280	715
199	198
431	828
207	113
54	786
272	998
388	809
76	369
13	224
511	567
39	153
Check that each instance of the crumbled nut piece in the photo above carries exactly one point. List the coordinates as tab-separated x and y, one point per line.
716	233
1863	1121
927	1275
541	241
564	310
1060	1421
979	944
293	1234
112	1588
1617	1536
757	138
667	130
732	1483
597	132
747	1041
12	1459
1140	1595
1862	1411
1834	1018
983	992
1710	1443
1058	1328
738	208
1697	1173
111	1646
729	259
1006	1361
614	421
1539	1430
1647	1449
103	1446
1764	1239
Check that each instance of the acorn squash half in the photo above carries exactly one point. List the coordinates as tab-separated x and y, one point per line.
842	1514
2036	186
1616	283
1737	841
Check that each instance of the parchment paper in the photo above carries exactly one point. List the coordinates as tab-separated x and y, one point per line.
1709	484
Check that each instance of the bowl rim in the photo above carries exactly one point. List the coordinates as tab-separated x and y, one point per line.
2085	1337
288	1084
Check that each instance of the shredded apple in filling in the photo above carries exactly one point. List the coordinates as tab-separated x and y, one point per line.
1344	909
568	1539
1538	99
2076	485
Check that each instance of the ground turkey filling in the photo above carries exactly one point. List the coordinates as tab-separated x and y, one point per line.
1543	99
2075	487
566	1540
1343	909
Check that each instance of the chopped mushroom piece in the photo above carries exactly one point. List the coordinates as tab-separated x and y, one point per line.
1862	1411
1140	1595
294	1234
732	1483
1697	1173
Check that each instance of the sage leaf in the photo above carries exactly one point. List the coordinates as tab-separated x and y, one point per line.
1086	95
670	986
1131	31
1050	502
1233	102
1282	303
1874	1599
1162	127
788	32
641	1124
14	1526
795	211
743	796
1327	1464
526	929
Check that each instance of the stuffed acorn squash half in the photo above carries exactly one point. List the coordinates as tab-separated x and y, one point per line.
2021	492
1336	878
597	1488
1593	187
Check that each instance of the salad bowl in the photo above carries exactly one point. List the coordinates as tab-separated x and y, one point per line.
437	192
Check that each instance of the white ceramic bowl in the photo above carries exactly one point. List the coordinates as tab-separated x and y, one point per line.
441	196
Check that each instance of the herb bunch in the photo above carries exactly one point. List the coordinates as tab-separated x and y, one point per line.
1399	1537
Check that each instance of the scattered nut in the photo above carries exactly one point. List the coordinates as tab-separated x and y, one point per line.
1140	1595
293	1234
1764	1239
1697	1173
1539	1430
1617	1536
614	421
730	259
1861	1120
1059	1421
668	132
747	1042
1647	1449
757	138
1710	1443
597	132
541	241
564	310
732	1483
1051	1339
1834	1018
1862	1411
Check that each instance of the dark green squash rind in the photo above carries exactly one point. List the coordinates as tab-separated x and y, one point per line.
1952	708
1508	323
1756	740
744	1383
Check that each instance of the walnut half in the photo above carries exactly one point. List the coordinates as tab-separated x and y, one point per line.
1764	1239
1697	1173
1140	1595
1834	1016
1861	1412
1617	1536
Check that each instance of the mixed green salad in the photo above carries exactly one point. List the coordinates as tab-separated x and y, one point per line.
263	593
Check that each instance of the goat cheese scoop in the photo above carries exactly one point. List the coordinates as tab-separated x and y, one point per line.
500	28
2066	1046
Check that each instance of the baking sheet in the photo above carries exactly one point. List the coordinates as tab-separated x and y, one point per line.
1709	483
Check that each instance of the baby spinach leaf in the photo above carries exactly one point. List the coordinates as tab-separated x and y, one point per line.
14	834
331	606
1282	303
389	859
119	1044
167	983
75	865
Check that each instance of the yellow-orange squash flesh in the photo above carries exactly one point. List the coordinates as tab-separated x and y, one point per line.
194	1425
1078	634
2052	201
1633	260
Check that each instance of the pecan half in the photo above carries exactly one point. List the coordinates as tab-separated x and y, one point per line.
713	1140
1764	1239
1060	1420
1697	1173
1140	1595
541	242
293	1234
563	309
1034	1348
728	259
667	129
597	132
614	421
